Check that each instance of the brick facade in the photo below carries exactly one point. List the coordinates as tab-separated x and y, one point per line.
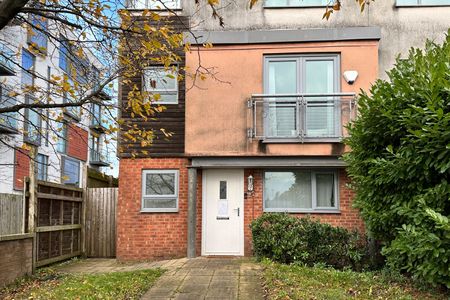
21	168
77	144
164	235
15	259
142	236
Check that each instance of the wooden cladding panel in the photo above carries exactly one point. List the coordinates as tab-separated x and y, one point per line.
171	120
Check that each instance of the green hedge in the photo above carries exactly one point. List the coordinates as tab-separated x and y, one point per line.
287	239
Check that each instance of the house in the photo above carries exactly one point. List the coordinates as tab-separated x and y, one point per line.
265	137
66	147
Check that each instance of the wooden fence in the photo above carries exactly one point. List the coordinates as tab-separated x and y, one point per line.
11	214
58	222
100	222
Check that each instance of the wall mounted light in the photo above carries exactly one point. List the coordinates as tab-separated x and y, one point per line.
350	76
250	184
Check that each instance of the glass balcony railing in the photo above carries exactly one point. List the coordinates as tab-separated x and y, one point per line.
8	121
6	61
97	159
301	117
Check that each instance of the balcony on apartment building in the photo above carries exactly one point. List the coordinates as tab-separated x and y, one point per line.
6	61
8	121
96	158
97	122
301	118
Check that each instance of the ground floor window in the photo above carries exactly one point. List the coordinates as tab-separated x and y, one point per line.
301	191
160	190
42	166
70	171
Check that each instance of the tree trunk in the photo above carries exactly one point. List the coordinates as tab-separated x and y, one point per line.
9	9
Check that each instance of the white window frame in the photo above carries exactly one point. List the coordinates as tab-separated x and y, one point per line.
298	5
145	4
420	4
314	208
147	87
161	197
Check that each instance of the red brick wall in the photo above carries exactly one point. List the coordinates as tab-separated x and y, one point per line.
21	168
348	217
15	259
77	144
142	236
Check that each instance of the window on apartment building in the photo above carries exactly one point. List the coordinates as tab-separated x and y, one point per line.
7	120
42	167
297	3
70	171
422	2
301	74
64	55
160	190
94	144
32	123
28	61
301	191
155	4
158	80
36	34
61	130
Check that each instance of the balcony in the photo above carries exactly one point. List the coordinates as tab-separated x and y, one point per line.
6	61
97	159
301	118
97	123
8	121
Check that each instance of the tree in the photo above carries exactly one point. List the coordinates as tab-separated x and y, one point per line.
400	162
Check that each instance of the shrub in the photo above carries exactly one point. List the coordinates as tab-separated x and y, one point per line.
400	163
287	239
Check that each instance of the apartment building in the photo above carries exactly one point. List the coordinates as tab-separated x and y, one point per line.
265	137
65	146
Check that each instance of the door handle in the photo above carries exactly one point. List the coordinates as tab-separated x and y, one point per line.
238	211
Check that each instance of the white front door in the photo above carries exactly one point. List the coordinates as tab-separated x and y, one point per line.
223	212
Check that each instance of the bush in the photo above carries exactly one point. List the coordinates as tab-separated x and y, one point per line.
287	239
400	163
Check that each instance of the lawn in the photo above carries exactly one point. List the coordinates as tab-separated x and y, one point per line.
299	282
48	284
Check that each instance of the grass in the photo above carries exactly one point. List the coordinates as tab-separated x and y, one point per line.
299	282
48	284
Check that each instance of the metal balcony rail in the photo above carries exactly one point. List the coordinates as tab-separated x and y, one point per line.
301	117
8	121
97	158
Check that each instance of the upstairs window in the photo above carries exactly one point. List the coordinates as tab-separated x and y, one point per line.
28	61
32	123
155	4
36	34
423	2
8	120
161	81
61	130
42	167
297	3
70	171
63	56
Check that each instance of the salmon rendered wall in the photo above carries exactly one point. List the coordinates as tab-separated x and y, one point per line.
217	117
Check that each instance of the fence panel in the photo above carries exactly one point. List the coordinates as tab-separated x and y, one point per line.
100	222
11	214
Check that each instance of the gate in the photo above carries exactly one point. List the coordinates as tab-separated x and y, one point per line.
100	222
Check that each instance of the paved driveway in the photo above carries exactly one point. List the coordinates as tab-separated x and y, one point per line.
199	278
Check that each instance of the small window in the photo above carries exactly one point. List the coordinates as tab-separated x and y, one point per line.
155	4
70	171
300	191
63	55
297	3
28	61
32	123
423	2
158	80
36	35
160	191
42	167
61	131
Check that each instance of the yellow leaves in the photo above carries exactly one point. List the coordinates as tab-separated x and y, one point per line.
208	45
213	2
252	3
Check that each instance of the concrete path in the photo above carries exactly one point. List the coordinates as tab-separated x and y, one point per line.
199	278
210	278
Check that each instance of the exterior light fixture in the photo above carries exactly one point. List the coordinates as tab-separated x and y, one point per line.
350	76
250	184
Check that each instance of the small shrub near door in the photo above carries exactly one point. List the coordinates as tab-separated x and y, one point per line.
287	239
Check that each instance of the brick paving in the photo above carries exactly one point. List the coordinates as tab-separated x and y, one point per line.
199	278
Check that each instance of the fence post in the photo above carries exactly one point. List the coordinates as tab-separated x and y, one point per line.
32	202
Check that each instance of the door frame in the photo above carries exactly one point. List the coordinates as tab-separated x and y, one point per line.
241	215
